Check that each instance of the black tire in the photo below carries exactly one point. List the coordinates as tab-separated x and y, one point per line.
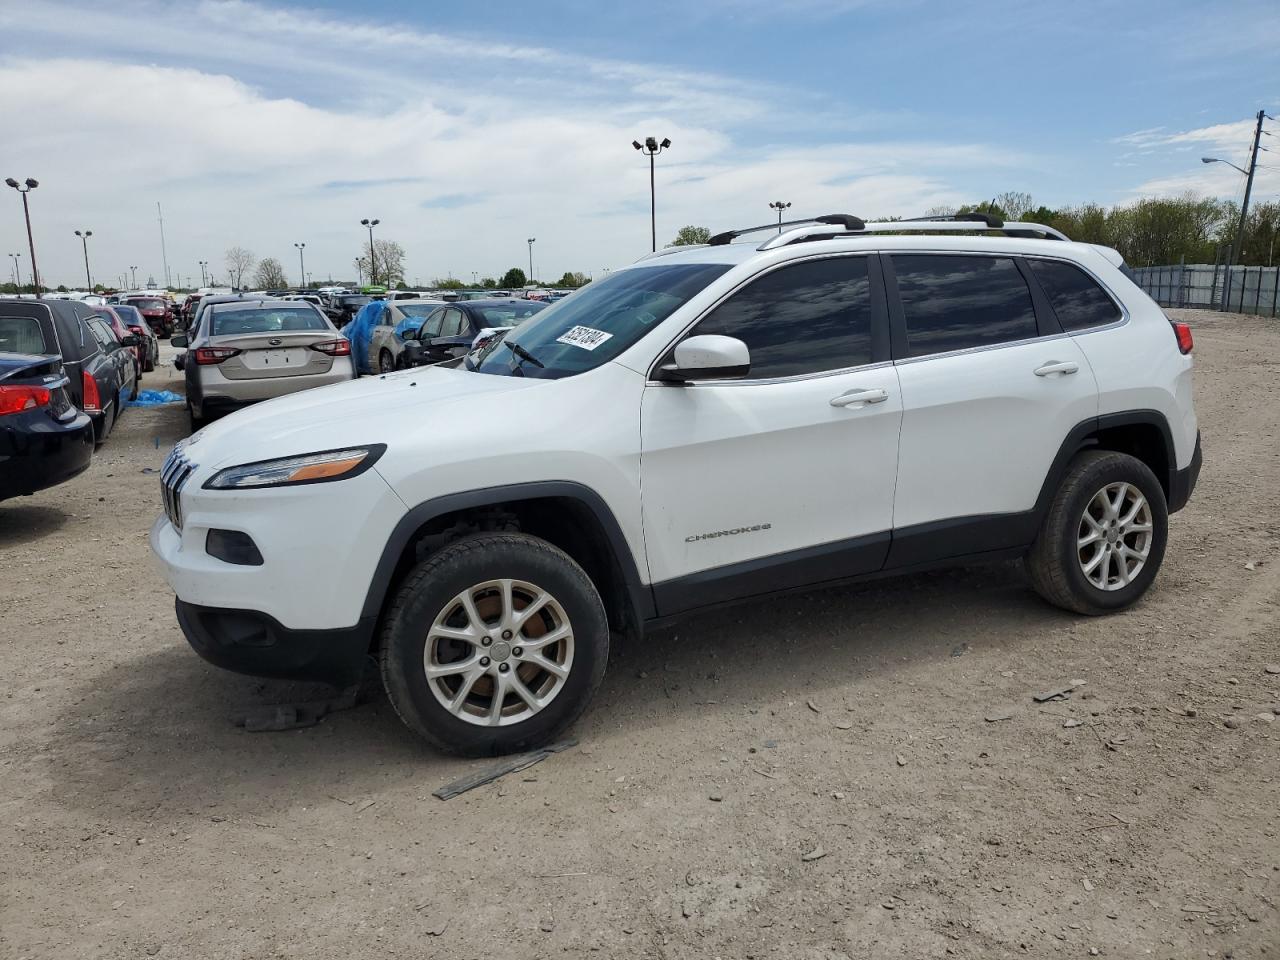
386	363
197	417
434	583
137	382
1054	562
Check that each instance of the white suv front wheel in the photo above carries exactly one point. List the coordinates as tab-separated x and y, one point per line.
1103	537
494	644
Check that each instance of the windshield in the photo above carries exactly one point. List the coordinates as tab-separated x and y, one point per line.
228	323
355	301
127	314
21	335
416	309
148	304
597	323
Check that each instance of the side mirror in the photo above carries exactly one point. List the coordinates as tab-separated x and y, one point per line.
130	340
178	341
707	357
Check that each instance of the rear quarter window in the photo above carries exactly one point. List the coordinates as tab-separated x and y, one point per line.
955	302
1076	297
22	335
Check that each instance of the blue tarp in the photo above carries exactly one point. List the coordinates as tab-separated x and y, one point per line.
153	398
360	331
406	326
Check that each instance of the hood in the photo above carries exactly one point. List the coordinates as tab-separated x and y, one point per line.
368	410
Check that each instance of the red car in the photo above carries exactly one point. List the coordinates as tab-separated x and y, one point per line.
158	312
148	345
121	330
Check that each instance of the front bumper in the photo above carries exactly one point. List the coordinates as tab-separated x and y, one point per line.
247	641
37	452
1183	482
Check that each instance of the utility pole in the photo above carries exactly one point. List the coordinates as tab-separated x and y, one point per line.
84	241
302	268
1248	186
531	241
163	255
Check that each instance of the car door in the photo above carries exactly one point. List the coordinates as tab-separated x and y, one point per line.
990	389
785	477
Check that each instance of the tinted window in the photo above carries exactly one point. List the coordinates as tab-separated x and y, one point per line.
803	318
21	335
598	322
231	322
452	325
1076	297
101	332
431	326
955	302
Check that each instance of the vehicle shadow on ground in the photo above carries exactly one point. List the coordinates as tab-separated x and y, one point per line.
28	523
159	728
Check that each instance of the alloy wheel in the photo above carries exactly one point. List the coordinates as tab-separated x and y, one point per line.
499	652
1114	537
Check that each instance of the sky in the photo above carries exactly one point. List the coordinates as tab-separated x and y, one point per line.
467	128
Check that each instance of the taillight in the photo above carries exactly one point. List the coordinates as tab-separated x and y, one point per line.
92	402
334	348
1183	332
208	355
16	399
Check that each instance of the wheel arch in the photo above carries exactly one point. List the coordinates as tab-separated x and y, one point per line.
566	514
1144	434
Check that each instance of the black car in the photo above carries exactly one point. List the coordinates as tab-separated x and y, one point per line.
342	307
98	365
449	331
44	439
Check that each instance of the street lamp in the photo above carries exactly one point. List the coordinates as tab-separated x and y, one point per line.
530	242
779	205
204	280
302	267
84	242
17	272
651	148
1227	162
373	262
133	275
24	188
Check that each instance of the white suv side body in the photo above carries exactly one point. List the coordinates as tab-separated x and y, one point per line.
645	495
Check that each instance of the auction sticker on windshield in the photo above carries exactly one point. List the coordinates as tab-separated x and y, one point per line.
584	337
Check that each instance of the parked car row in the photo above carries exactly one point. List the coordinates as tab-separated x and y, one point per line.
67	368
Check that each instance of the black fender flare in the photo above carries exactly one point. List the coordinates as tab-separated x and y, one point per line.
640	593
1078	439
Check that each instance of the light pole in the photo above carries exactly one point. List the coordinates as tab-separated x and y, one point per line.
133	276
84	242
24	188
204	280
651	148
373	262
1238	252
530	242
302	267
779	205
17	272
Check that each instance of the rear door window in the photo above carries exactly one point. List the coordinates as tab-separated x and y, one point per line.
22	335
804	318
453	323
959	302
1075	296
431	325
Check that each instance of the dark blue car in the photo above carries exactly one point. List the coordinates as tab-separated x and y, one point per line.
44	439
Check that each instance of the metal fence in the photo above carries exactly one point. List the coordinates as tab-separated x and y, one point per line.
1212	287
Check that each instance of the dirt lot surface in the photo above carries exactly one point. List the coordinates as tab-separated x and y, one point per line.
810	777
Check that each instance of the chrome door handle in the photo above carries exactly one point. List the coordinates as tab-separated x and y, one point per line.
850	397
1063	367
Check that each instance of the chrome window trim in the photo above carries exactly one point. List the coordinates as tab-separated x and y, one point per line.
832	255
795	378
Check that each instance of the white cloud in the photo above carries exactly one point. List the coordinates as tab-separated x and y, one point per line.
247	140
1225	141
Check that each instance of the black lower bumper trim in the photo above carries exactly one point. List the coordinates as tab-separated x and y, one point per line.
247	641
1183	481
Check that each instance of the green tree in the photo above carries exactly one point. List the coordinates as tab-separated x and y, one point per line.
489	283
688	236
513	278
270	275
572	279
61	288
448	283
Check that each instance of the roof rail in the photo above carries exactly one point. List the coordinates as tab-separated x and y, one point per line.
969	224
994	222
844	220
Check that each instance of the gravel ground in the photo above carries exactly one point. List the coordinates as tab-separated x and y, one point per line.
809	777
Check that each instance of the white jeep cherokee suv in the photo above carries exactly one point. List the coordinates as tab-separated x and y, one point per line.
713	423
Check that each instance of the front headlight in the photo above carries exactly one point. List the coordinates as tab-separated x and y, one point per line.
319	467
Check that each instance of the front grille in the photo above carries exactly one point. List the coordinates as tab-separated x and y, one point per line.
174	475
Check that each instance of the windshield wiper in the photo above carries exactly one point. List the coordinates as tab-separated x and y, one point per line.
523	354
